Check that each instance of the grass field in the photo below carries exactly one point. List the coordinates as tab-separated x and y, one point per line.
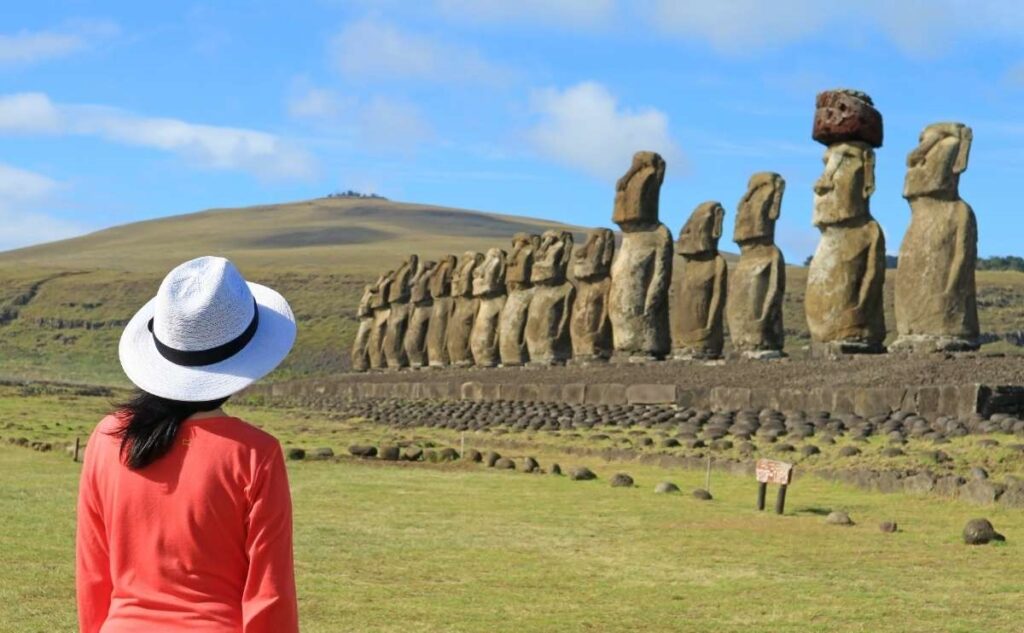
458	547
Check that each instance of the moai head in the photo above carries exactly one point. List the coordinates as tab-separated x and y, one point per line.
489	276
520	262
593	260
551	260
402	285
843	191
759	208
366	301
441	277
421	283
701	232
636	193
462	279
380	298
935	165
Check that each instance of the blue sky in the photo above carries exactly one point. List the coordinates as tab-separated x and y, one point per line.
112	112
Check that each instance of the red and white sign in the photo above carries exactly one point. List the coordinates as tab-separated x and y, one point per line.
770	471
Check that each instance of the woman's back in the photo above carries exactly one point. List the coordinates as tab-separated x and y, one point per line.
199	540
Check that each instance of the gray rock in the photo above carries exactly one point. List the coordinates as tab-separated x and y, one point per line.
505	463
491	458
530	465
412	454
324	452
389	453
473	455
849	451
582	473
702	494
920	483
888	527
666	487
359	450
296	453
979	473
980	532
838	518
556	469
621	480
979	492
447	455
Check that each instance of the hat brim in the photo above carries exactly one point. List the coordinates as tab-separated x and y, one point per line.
153	373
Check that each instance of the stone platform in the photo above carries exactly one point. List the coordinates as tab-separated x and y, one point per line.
867	386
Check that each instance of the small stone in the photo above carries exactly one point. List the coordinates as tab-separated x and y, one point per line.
979	473
838	518
849	451
702	494
412	454
491	458
505	463
473	455
389	453
582	473
323	452
447	455
888	527
980	532
530	465
365	452
621	480
296	454
666	487
556	469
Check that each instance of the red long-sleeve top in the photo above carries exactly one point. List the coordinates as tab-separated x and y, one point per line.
198	541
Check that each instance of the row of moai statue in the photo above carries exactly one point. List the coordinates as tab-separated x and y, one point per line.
548	303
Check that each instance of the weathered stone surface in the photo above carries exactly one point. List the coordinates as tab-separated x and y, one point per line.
666	487
981	532
419	321
846	115
440	314
505	463
699	302
296	453
920	483
491	458
888	527
845	280
381	312
757	284
460	324
412	454
838	518
642	270
389	453
979	492
398	318
582	473
547	325
702	495
1013	497
935	301
591	328
512	325
651	394
359	450
530	465
360	354
621	480
489	289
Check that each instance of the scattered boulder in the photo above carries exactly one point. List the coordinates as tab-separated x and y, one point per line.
505	463
621	480
888	527
920	483
473	455
447	455
296	454
412	454
810	449
893	451
491	458
430	456
980	532
838	518
530	465
849	451
702	494
359	450
979	473
556	469
324	452
582	473
979	492
666	487
389	453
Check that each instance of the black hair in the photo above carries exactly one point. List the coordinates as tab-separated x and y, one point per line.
151	424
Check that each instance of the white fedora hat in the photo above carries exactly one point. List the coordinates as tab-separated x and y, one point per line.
207	334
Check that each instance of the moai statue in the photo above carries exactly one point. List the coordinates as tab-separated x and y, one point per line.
547	320
936	309
489	289
443	304
398	319
590	327
360	354
697	331
381	313
847	273
757	284
512	325
642	271
419	320
460	324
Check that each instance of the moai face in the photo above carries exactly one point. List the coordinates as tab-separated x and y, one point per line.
759	208
402	284
594	258
441	277
421	283
636	193
380	298
701	232
489	276
462	280
935	165
551	261
843	191
520	262
366	301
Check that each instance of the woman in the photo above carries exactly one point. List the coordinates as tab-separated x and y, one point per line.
184	513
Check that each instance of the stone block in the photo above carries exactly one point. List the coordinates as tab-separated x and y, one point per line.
651	394
696	398
574	393
471	391
606	393
730	398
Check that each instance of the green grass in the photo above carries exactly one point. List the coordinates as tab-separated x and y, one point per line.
458	547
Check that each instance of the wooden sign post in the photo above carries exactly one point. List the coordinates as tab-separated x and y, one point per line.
769	471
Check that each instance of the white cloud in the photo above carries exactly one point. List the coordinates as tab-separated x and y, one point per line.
207	146
736	25
30	47
314	104
572	13
583	127
375	49
22	223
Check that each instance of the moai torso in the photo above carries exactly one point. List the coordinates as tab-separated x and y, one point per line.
757	284
846	277
696	314
547	323
398	318
360	356
512	324
460	324
642	270
419	319
936	306
440	287
381	313
590	328
489	289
